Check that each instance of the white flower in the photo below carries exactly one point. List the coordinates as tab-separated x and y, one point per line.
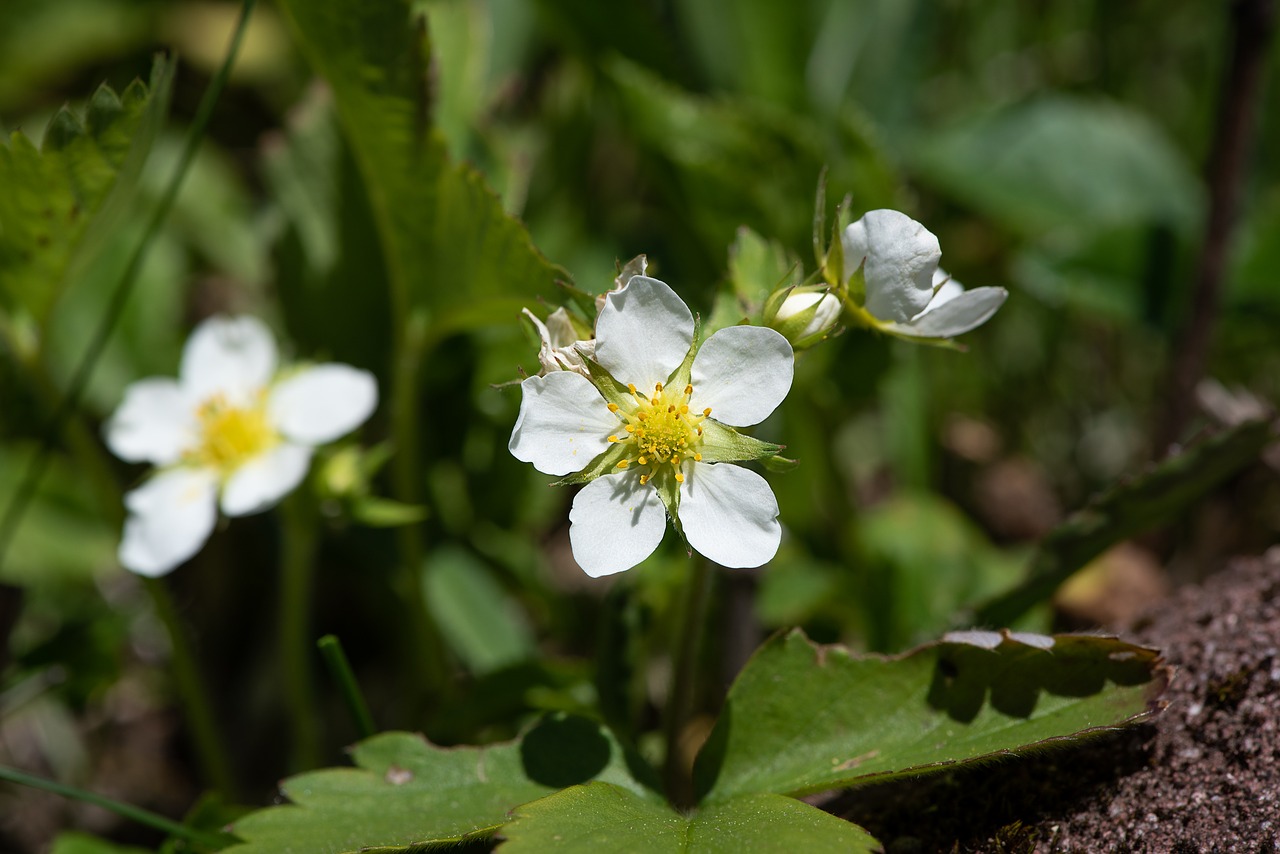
647	441
560	348
906	293
229	432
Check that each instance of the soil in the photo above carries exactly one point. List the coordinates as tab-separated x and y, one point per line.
1203	776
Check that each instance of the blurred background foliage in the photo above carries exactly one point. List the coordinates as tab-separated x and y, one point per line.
1056	148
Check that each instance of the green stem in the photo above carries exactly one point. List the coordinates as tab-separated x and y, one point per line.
120	296
684	673
297	574
340	670
424	636
214	841
210	750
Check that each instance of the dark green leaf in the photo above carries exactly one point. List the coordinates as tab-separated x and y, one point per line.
600	817
803	718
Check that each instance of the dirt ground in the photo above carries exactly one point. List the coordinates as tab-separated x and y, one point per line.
1204	776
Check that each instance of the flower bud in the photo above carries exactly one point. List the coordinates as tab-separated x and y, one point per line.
806	316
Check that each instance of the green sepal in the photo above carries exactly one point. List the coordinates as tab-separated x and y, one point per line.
579	299
610	389
820	219
668	489
774	303
778	463
606	463
680	376
723	444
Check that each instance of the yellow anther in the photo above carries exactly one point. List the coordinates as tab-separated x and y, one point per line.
631	387
688	390
684	410
613	438
697	458
631	428
624	463
671	408
613	407
657	386
640	416
679	477
707	412
642	461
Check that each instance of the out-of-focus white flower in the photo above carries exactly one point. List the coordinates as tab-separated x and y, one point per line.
651	433
561	349
906	293
230	432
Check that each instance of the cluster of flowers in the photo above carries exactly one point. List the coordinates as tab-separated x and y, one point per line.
633	406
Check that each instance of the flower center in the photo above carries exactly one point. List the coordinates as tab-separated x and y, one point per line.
231	435
660	430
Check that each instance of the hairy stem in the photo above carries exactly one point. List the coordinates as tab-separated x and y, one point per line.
676	770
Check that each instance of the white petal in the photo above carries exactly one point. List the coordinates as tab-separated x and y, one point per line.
901	257
643	332
968	310
320	403
945	289
233	356
265	479
742	373
170	517
729	514
563	424
615	523
154	423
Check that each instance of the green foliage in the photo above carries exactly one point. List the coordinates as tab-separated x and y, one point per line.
449	248
482	623
83	843
803	718
603	817
406	793
1058	161
64	200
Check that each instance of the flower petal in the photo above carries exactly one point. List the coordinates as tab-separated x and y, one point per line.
955	316
643	332
170	517
265	479
233	356
729	514
615	523
322	402
564	423
742	373
154	423
901	257
945	289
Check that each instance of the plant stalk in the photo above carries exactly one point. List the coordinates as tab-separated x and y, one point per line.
297	576
676	771
340	670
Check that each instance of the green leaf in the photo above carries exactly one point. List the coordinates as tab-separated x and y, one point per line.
444	235
1060	161
600	817
1157	497
82	843
406	793
386	512
62	203
482	623
803	718
760	267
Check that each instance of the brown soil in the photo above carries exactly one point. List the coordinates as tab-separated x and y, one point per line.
1203	777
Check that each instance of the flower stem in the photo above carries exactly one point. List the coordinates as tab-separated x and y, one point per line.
210	750
676	771
297	571
428	651
212	841
340	670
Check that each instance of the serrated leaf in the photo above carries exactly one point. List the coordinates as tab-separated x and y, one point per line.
62	203
445	236
406	793
600	817
804	718
1156	497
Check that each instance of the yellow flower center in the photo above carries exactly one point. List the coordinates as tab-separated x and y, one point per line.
660	430
231	435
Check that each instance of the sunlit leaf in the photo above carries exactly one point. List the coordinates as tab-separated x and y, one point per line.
406	792
600	817
803	718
